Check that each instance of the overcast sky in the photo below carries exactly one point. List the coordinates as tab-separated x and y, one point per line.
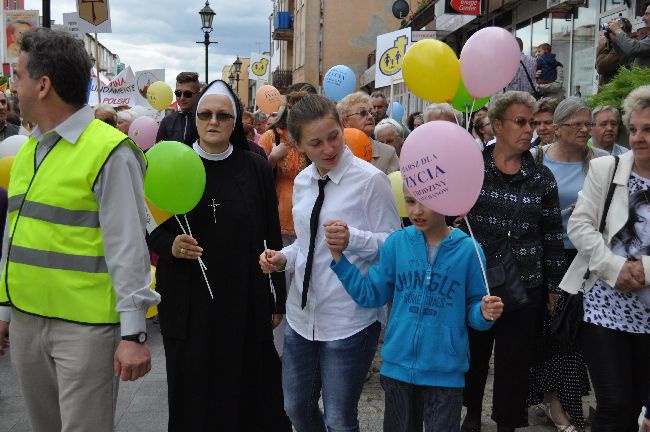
151	34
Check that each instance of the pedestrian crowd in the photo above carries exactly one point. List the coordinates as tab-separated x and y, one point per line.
311	264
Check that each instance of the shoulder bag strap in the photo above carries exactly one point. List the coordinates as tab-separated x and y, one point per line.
603	220
527	75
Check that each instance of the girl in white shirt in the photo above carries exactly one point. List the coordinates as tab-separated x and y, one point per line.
329	340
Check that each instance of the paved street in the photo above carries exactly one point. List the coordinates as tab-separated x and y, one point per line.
142	405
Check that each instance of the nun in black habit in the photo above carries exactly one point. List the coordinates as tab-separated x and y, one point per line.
223	372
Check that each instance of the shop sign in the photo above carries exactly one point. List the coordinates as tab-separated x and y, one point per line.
463	7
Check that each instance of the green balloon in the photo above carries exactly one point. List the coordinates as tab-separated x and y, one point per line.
463	100
175	179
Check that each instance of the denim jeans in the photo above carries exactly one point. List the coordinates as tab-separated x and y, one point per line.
334	368
407	406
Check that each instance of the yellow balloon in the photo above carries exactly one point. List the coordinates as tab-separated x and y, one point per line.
159	95
396	183
5	168
153	310
431	71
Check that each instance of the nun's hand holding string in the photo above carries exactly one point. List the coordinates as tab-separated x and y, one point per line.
186	247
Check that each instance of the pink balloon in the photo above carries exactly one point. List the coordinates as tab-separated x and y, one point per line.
143	132
489	61
442	167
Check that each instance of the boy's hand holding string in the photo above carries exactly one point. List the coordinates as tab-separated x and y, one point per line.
337	237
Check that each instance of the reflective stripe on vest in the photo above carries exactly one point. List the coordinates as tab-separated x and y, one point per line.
55	263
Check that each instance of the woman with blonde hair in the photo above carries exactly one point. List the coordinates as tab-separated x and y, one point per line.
615	333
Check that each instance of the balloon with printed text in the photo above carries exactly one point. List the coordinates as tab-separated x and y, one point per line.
431	70
143	132
339	82
175	179
268	99
442	167
159	95
359	143
489	61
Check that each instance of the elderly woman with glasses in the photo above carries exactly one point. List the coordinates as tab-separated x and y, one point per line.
355	111
559	379
518	202
615	333
223	372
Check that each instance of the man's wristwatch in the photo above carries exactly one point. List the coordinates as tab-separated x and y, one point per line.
138	337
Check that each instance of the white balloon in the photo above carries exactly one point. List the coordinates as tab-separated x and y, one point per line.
11	145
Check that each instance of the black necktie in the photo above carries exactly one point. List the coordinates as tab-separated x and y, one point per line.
313	229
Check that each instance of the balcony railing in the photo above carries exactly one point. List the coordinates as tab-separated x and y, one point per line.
281	79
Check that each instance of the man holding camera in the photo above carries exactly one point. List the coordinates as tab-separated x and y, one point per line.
627	47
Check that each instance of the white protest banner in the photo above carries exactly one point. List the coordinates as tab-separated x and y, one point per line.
94	16
259	68
143	80
118	92
92	88
71	24
391	48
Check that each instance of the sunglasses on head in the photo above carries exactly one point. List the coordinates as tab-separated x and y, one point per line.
187	93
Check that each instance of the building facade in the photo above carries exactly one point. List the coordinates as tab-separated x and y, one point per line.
311	36
571	27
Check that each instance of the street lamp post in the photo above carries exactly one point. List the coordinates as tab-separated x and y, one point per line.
207	15
231	79
237	65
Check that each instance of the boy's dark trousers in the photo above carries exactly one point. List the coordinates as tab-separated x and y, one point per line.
407	406
512	337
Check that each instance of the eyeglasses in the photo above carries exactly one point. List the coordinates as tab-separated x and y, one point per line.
209	115
579	125
522	122
545	123
187	93
362	113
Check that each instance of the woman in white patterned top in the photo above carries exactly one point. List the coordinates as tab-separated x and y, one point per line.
616	328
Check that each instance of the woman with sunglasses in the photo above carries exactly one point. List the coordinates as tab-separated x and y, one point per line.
329	341
355	111
223	373
519	201
559	378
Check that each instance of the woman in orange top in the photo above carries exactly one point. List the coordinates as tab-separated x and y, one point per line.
287	161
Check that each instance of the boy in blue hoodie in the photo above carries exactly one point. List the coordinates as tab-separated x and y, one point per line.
432	274
546	65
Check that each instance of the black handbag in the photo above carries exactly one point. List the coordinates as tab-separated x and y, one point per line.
502	271
569	310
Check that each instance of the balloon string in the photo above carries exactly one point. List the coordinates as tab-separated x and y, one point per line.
478	255
202	266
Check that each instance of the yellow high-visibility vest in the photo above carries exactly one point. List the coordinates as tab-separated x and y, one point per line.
55	263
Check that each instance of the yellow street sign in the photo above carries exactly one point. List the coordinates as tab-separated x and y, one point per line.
93	11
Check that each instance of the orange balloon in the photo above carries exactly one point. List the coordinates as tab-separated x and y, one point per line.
269	99
359	143
5	168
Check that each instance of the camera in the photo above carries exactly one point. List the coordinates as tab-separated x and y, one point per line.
605	26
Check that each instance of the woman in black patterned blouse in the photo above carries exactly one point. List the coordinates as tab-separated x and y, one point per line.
514	185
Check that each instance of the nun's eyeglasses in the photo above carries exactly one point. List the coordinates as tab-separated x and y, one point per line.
209	115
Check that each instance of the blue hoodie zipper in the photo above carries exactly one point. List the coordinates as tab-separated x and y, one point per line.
427	282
